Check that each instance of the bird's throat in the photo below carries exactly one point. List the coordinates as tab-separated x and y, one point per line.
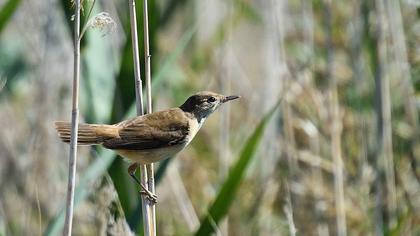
195	125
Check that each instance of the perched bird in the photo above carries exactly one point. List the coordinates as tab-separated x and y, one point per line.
152	137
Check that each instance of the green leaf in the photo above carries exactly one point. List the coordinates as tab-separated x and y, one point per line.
7	11
224	199
99	66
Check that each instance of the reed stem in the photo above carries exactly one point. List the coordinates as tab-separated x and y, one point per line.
147	61
146	209
74	127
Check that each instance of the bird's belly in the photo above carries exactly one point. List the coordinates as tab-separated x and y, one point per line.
151	155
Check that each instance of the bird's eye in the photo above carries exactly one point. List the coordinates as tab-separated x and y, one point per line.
211	99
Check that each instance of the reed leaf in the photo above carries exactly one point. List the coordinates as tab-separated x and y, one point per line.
224	199
7	12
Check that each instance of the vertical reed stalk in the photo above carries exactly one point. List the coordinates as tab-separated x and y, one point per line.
147	61
371	43
147	221
336	126
288	211
336	130
315	146
137	75
181	196
74	126
383	109
399	49
359	31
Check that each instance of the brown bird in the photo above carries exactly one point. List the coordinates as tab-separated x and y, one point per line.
151	137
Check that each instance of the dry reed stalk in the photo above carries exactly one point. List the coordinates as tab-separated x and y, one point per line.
182	198
288	211
266	223
336	126
313	158
74	127
147	220
315	161
147	61
278	79
336	131
357	36
383	109
399	51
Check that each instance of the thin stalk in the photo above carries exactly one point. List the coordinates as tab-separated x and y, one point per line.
74	127
86	25
315	147
147	222
336	127
90	11
147	60
181	196
383	109
357	62
371	43
137	75
336	131
288	210
147	57
399	50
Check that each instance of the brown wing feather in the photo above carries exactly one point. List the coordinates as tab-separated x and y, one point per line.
156	130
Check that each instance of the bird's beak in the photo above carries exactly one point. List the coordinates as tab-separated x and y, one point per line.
229	98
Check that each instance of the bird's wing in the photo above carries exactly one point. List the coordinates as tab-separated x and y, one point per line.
155	130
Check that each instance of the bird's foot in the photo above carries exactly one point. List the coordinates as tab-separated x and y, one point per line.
150	196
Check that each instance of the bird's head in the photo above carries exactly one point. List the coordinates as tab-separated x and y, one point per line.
204	103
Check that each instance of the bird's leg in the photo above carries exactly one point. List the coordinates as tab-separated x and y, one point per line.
131	171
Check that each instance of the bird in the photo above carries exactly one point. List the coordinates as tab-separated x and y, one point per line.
152	137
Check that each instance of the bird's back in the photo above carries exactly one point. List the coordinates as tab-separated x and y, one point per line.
153	137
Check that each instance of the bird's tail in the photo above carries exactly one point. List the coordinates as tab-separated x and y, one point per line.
88	134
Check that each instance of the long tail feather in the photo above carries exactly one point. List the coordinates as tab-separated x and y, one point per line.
88	134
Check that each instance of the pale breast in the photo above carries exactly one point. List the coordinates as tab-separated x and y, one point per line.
151	155
194	128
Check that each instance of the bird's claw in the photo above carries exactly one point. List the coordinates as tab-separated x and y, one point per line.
150	196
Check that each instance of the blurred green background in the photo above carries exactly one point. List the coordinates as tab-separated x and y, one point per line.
324	141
